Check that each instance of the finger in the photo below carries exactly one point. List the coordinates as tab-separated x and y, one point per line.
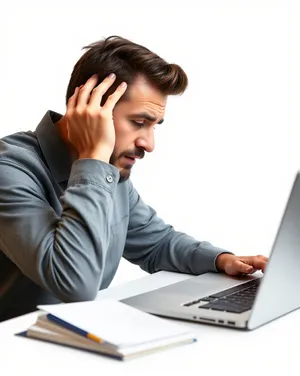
258	262
245	258
264	258
113	98
100	90
85	91
261	257
242	267
73	100
236	267
263	266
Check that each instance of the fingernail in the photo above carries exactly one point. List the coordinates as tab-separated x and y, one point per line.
123	84
112	75
248	269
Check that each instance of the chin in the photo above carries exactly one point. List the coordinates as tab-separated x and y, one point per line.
124	175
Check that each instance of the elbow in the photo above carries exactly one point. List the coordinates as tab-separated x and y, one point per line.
80	294
70	280
73	291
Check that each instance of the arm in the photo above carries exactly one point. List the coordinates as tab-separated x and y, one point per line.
65	251
155	246
64	254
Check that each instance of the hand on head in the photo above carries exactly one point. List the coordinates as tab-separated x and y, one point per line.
90	126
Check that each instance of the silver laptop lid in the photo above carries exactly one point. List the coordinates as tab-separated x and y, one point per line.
279	292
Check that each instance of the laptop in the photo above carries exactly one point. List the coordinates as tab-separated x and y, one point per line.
245	302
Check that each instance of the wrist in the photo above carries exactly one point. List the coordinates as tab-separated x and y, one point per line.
221	261
101	156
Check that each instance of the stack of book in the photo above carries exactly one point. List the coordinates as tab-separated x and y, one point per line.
107	327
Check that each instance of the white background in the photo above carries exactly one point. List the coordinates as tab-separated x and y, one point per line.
227	153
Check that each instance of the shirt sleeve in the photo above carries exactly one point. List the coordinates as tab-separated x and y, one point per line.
65	254
155	246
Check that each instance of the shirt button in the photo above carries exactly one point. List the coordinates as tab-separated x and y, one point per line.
109	178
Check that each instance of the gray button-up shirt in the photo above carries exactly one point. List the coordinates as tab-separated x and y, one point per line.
64	226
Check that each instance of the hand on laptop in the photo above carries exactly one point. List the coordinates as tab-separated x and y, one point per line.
236	265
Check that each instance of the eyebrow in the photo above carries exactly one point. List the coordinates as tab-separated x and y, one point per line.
145	115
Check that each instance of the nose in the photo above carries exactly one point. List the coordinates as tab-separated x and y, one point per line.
146	140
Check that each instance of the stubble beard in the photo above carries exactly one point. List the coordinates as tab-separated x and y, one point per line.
124	171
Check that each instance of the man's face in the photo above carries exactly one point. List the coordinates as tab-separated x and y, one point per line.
134	120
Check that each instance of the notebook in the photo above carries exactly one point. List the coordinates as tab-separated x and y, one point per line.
107	327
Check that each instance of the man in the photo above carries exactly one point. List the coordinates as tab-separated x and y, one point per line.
68	210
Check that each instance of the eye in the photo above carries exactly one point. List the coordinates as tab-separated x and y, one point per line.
138	123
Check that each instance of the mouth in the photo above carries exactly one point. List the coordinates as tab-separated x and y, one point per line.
130	160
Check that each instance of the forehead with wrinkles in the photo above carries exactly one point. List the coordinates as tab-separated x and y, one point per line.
143	96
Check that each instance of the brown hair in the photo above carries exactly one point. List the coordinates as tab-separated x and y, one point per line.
127	60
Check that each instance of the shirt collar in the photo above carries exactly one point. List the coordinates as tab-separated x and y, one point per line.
54	149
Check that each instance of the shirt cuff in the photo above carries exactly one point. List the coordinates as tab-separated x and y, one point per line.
93	171
206	255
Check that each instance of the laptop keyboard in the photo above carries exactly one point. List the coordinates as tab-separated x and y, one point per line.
237	299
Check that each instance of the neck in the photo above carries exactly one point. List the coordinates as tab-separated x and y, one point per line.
62	128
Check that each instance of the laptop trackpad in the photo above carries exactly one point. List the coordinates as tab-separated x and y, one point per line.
204	285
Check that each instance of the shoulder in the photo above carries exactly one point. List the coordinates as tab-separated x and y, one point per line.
19	156
19	147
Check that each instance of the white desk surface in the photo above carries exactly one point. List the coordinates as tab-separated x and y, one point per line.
219	351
